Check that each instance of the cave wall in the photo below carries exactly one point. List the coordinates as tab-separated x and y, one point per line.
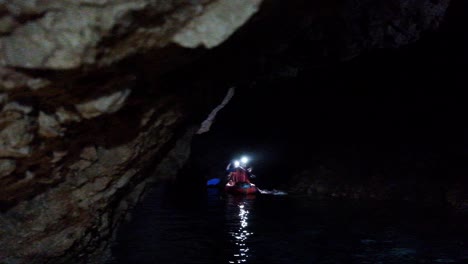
98	98
84	118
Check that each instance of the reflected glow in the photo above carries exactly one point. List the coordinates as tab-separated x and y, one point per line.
236	163
240	235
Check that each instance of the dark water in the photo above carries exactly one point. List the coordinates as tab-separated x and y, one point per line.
214	228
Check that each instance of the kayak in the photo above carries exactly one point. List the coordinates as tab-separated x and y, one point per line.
240	188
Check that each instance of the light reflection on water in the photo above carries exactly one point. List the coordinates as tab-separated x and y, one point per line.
214	229
238	226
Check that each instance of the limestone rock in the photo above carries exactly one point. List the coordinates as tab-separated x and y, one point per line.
7	166
103	105
65	116
15	138
49	127
217	23
206	124
3	98
58	155
7	25
67	34
15	106
13	80
89	153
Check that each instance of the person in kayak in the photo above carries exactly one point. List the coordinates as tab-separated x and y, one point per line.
238	173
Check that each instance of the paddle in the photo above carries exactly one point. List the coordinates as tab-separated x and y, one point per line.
261	191
213	182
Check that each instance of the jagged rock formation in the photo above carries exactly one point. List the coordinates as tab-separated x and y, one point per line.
80	129
71	34
86	116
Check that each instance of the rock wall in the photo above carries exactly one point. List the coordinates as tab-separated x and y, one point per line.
69	34
84	118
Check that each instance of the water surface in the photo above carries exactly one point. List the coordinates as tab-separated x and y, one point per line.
210	227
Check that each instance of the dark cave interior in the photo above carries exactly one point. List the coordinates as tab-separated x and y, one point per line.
395	113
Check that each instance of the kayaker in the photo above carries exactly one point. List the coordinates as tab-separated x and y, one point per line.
231	168
237	173
244	164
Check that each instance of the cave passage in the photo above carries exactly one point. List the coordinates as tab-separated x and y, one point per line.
394	115
349	124
371	151
391	113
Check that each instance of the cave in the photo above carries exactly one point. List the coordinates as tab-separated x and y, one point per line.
115	117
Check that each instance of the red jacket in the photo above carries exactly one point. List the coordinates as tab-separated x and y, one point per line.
240	175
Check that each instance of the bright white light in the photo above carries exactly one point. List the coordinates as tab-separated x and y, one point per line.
244	160
236	163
